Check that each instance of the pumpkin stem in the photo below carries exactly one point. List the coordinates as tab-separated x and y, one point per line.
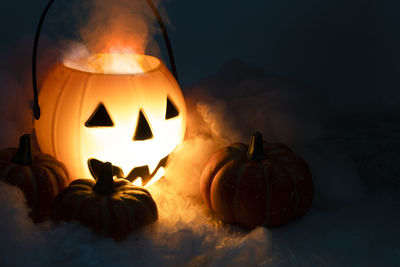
105	180
24	155
256	150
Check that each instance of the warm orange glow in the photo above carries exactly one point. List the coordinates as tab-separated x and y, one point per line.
159	174
70	95
117	63
138	182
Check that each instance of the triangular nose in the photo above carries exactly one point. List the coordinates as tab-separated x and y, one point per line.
143	130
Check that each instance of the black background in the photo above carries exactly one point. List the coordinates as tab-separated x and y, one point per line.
346	46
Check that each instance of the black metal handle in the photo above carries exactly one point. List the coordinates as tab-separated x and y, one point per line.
36	108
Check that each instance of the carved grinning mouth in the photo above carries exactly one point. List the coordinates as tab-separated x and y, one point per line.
141	171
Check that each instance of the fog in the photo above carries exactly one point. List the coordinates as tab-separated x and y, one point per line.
348	138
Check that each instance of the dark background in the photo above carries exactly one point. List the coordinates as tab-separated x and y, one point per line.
342	46
320	76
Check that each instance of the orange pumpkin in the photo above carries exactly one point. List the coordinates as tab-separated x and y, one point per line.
133	120
127	109
40	176
257	184
112	207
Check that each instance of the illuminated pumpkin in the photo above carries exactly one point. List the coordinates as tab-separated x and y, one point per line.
120	108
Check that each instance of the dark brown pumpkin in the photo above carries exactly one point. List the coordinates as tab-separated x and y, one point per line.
112	207
257	184
40	176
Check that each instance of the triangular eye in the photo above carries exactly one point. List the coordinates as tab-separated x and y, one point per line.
100	118
172	111
143	130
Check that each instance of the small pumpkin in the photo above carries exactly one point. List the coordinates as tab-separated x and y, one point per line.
257	184
112	207
39	176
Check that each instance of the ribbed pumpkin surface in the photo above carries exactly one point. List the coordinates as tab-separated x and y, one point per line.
268	192
40	181
115	215
69	97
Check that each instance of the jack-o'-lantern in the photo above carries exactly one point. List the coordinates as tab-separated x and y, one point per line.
126	109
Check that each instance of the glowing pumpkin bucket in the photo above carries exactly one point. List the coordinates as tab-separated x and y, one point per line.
121	108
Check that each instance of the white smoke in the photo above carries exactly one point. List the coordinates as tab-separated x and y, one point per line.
345	227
